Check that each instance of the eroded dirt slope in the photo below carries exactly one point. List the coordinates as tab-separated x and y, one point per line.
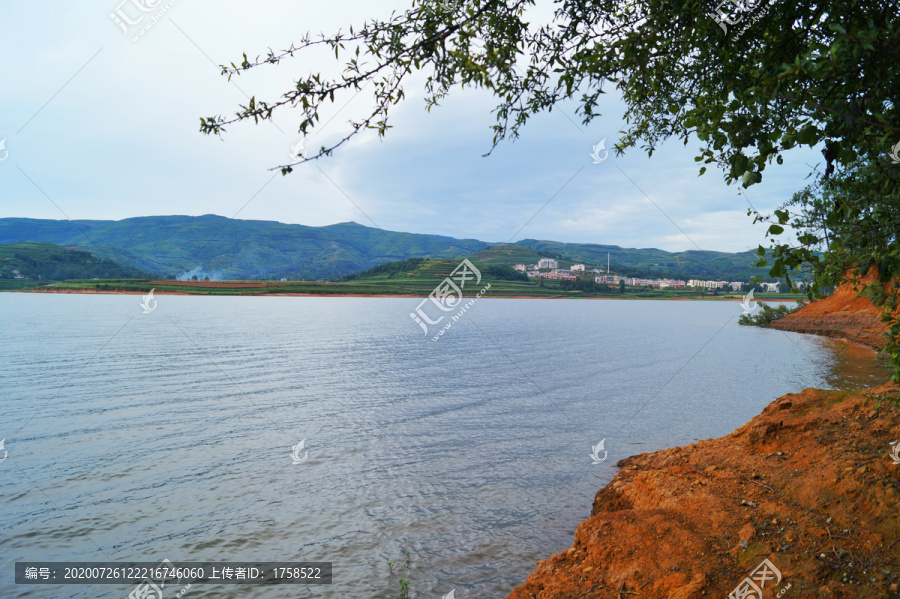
808	484
843	314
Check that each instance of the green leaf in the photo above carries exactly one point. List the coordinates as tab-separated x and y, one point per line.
751	178
809	135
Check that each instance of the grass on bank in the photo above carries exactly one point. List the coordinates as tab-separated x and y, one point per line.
415	286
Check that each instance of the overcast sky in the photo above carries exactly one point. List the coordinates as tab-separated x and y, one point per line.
100	127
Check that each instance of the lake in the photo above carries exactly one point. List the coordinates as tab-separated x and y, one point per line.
143	437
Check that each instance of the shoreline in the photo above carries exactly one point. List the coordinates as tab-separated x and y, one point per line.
382	295
807	484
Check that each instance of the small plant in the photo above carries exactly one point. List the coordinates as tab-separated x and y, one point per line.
408	555
391	567
404	588
766	315
893	399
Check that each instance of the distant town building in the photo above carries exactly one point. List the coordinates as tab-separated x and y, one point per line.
611	279
562	275
737	286
520	267
645	283
577	267
769	287
635	282
707	284
671	283
548	263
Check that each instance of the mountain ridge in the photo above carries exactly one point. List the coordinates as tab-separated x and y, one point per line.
222	247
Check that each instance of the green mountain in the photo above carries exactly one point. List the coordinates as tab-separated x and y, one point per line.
421	268
39	261
652	263
223	248
510	255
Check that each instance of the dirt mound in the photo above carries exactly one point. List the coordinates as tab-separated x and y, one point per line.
844	315
808	484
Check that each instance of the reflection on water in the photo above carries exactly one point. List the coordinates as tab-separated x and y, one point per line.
852	366
169	436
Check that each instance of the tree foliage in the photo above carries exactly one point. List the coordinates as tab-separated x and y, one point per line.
749	81
766	315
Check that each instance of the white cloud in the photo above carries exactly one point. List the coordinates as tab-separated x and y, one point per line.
121	139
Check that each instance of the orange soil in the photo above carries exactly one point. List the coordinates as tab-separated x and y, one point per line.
843	314
807	484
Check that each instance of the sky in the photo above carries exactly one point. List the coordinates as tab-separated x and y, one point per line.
98	126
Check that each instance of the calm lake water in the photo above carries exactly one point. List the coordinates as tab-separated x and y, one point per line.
137	437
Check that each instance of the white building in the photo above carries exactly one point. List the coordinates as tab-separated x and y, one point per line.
577	267
520	267
548	263
671	283
707	284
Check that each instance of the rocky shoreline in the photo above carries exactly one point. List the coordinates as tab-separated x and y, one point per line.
808	485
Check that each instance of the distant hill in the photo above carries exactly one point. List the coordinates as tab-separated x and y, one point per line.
652	263
509	255
223	248
645	263
421	268
37	261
